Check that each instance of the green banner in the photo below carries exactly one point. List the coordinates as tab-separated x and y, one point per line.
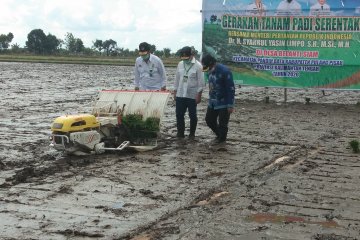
286	43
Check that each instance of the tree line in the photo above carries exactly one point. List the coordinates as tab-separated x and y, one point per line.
39	43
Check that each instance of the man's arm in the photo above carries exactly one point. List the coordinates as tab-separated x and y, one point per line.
163	75
137	77
177	79
230	91
201	83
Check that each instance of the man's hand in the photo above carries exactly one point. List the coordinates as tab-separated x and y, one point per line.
231	110
198	98
136	88
163	88
174	94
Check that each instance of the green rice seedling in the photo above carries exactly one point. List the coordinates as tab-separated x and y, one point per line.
354	144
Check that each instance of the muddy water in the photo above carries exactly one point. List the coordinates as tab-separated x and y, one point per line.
287	171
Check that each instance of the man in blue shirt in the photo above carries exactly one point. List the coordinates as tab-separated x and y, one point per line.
221	97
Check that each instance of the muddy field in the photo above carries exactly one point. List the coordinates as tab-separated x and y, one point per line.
286	172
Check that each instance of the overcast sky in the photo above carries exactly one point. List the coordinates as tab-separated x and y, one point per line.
165	23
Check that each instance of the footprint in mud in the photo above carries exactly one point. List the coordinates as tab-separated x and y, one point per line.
65	189
22	175
2	165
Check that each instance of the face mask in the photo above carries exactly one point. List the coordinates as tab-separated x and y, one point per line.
187	61
145	57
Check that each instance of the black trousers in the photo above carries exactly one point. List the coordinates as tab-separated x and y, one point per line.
183	104
218	121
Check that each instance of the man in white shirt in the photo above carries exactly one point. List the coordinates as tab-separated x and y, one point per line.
320	9
149	70
288	8
256	9
188	87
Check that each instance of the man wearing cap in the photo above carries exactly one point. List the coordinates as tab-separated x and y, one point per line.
149	70
221	97
188	87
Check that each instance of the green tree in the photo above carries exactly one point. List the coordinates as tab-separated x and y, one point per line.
15	47
98	44
5	40
152	48
109	46
39	43
69	42
79	45
159	53
124	52
52	44
89	51
72	44
36	41
167	52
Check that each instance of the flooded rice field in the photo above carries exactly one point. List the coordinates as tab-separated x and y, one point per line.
286	172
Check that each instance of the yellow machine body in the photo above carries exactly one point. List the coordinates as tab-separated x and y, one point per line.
75	123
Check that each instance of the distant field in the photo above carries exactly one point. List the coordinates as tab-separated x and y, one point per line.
128	61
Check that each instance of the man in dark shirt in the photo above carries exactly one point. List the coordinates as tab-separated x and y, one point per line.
221	97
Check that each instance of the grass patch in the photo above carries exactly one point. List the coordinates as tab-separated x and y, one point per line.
354	144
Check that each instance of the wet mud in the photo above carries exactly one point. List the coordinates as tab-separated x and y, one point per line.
286	172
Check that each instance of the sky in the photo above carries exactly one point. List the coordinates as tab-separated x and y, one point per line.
164	23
